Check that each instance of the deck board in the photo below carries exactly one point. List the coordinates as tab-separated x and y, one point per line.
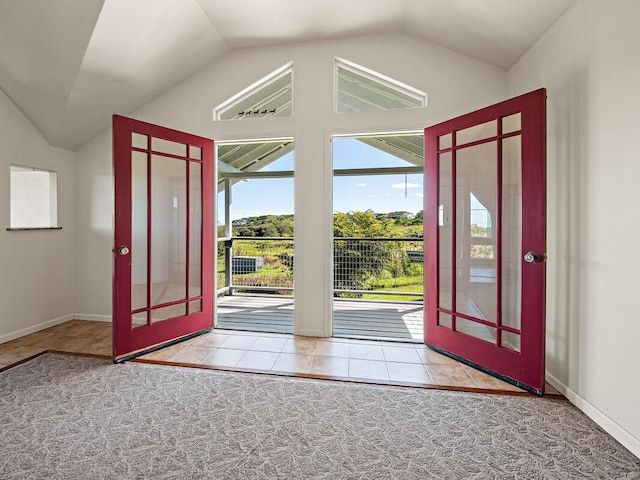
351	318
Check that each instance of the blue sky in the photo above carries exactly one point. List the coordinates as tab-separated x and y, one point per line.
381	193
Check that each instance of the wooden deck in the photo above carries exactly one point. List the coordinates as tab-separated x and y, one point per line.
351	318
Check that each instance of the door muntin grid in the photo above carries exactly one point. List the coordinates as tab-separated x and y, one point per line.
479	268
166	229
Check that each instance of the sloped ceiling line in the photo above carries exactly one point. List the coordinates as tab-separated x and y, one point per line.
69	65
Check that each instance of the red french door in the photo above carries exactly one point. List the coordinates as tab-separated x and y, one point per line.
484	234
163	236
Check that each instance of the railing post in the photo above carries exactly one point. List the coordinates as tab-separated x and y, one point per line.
228	247
228	233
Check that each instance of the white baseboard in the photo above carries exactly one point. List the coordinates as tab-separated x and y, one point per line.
618	432
92	317
35	328
310	332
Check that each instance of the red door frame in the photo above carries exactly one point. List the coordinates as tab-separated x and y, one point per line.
128	341
524	368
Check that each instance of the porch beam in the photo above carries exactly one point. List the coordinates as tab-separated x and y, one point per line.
345	172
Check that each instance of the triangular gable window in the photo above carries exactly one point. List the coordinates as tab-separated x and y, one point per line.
272	96
360	89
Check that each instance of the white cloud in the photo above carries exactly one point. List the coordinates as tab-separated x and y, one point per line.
404	185
419	195
372	196
387	194
361	184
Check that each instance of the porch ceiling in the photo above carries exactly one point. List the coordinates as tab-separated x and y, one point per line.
254	156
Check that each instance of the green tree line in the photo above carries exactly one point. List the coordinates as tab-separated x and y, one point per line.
360	262
351	224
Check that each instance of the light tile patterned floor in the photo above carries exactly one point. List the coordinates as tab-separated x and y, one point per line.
374	361
358	360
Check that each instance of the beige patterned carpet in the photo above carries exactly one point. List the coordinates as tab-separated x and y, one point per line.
65	417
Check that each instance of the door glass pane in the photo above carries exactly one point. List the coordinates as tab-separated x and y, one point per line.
168	230
444	319
139	319
195	306
477	132
195	152
477	330
511	231
511	123
165	313
138	248
444	141
166	146
445	231
139	141
511	341
476	228
195	227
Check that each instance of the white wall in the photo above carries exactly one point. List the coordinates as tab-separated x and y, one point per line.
36	270
590	64
94	229
454	83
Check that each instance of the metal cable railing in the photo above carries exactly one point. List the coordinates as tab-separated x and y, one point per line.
383	268
256	264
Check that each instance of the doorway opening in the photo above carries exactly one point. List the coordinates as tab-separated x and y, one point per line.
378	255
255	236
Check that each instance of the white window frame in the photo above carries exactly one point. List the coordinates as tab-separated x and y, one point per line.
33	201
374	76
251	89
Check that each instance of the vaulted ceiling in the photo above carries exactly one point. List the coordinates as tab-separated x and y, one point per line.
69	64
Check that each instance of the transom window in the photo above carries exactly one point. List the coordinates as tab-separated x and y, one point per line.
361	89
271	96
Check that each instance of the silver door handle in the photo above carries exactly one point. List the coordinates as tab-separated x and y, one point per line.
533	257
121	250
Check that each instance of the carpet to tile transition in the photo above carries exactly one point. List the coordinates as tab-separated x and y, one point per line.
64	417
